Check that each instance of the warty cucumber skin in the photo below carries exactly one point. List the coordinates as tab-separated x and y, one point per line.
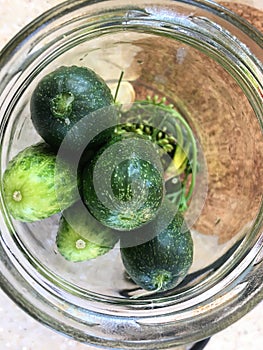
67	241
77	224
62	98
131	195
42	189
162	262
80	237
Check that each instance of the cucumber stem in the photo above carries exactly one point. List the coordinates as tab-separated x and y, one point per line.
160	279
80	244
17	196
61	105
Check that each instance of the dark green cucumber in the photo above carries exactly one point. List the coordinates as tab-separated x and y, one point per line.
162	262
67	96
37	184
80	237
170	132
123	185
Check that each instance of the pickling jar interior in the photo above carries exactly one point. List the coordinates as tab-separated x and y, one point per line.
194	58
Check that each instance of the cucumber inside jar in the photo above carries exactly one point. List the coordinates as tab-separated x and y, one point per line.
124	182
37	184
64	104
174	140
163	261
80	237
123	185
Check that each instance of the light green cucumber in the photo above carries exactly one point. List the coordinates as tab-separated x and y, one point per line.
37	185
80	237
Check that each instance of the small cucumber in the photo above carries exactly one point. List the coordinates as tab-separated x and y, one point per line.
37	185
169	130
123	185
162	262
80	237
64	97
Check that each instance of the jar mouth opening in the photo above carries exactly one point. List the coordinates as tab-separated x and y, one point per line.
194	31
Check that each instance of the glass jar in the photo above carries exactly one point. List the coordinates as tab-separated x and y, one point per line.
204	60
